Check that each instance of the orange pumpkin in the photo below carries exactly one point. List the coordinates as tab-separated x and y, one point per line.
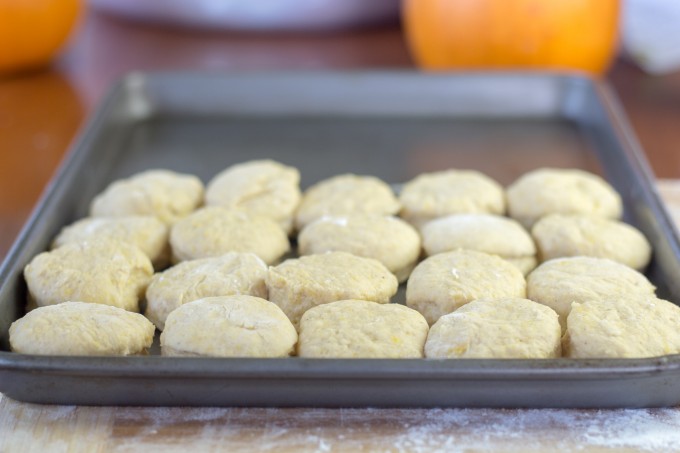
493	34
32	31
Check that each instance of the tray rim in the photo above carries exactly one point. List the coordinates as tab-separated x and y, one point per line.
293	368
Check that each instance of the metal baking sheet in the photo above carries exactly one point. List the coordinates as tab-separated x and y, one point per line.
394	126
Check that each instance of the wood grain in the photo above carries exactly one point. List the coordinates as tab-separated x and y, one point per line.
27	427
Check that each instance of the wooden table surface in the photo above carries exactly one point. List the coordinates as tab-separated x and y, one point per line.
41	112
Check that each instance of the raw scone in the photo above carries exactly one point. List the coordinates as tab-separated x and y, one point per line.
102	272
296	285
214	231
561	191
560	235
346	194
387	239
229	274
146	232
623	327
81	328
496	329
361	329
559	282
487	233
433	195
259	187
164	194
231	326
444	282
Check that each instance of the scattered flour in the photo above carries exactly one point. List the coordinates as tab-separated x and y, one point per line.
330	430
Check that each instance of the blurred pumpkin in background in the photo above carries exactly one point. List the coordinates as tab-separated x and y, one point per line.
494	34
32	31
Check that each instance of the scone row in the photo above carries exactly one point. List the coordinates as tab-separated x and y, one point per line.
254	207
476	304
248	326
344	222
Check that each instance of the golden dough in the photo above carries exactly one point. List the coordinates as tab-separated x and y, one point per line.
387	239
296	285
433	195
623	327
486	233
214	231
444	282
80	328
560	235
561	191
165	194
343	195
103	272
361	329
559	282
231	326
146	232
229	274
259	187
509	328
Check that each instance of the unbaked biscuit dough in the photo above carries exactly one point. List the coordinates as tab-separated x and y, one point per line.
559	282
231	326
623	327
560	235
387	239
164	194
296	285
561	191
362	329
444	282
259	187
346	194
103	272
487	233
214	231
81	328
508	328
433	195
146	232
229	274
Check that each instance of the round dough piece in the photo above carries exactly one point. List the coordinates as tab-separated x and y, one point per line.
259	187
559	282
433	195
81	328
387	239
102	272
296	285
623	327
346	194
226	275
214	231
561	191
146	232
231	326
486	233
361	329
442	283
560	235
167	195
507	328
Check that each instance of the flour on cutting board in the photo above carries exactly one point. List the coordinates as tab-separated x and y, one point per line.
322	430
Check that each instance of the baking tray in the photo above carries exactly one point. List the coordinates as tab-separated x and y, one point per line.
394	126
